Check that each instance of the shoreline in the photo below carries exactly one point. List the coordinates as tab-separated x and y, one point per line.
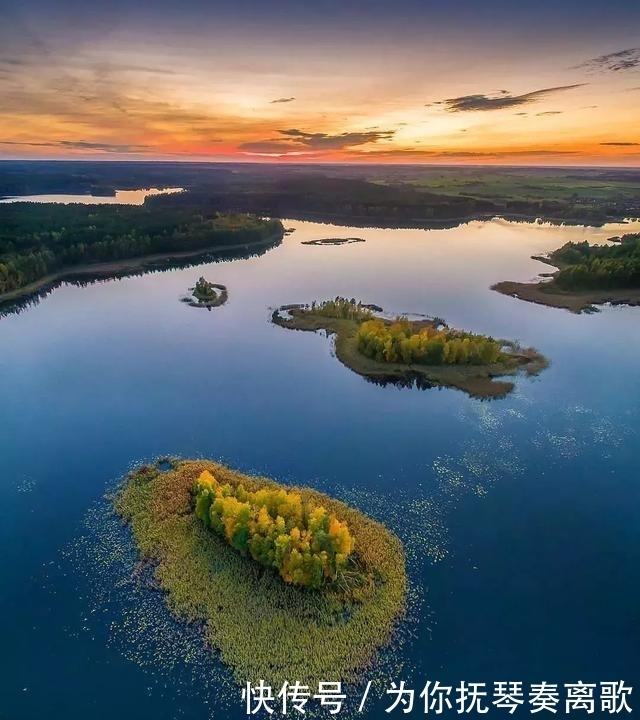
576	302
113	268
392	223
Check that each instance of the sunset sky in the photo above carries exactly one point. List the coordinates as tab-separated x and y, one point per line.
457	81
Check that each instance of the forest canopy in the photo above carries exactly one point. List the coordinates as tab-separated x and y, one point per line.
403	341
397	342
38	239
586	267
307	545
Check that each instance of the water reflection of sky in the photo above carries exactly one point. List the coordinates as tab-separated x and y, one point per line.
520	516
122	197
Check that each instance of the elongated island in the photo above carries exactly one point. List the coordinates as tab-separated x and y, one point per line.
424	353
289	583
587	275
334	241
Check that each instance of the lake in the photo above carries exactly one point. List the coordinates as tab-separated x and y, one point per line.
520	516
122	197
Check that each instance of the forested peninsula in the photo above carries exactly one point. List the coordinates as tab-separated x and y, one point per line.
253	560
422	353
587	275
41	243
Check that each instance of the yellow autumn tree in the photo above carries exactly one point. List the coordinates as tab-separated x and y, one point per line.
398	342
304	543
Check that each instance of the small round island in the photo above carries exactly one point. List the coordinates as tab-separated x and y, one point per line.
206	294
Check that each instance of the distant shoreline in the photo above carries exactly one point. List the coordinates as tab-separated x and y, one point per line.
394	223
112	269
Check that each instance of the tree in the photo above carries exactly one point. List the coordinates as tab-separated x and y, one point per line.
274	527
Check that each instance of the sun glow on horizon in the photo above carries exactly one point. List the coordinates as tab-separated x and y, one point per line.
315	94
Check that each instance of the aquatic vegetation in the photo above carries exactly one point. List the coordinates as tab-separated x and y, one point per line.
498	444
333	630
420	353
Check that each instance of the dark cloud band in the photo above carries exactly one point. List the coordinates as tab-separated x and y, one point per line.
615	62
83	145
471	103
299	141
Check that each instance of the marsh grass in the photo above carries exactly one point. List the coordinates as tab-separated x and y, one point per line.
262	627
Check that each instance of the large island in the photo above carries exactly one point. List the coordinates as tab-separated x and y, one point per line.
423	353
587	275
289	583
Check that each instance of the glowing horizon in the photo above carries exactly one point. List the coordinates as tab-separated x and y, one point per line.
253	83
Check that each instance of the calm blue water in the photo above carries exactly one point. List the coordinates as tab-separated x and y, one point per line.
521	516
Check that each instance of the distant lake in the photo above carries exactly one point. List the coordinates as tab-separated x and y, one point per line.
520	516
122	197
